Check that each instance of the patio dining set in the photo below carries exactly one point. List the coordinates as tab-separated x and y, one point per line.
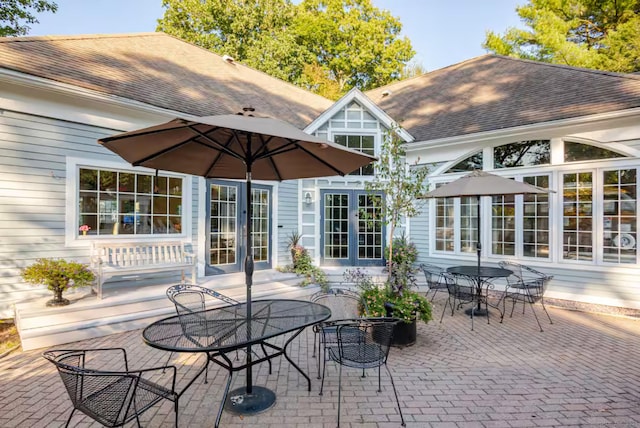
210	323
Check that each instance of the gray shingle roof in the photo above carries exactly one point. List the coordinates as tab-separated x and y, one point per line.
493	92
157	69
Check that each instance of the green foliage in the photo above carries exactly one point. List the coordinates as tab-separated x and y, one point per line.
602	35
303	265
327	46
403	251
16	14
400	183
406	306
58	274
293	239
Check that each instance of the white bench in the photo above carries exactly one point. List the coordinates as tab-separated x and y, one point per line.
109	259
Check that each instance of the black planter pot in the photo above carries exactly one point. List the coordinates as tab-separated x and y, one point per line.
404	333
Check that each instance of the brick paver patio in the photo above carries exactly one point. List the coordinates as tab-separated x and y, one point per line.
582	371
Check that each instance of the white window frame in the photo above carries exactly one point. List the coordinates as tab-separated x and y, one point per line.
72	238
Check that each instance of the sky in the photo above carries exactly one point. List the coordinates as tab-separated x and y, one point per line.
442	33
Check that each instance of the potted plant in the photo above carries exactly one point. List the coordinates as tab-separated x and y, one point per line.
58	275
395	297
293	243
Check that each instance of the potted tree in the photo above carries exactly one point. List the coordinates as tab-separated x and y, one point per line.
58	275
396	297
395	191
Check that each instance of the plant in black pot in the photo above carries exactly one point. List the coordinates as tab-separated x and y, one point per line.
397	296
58	275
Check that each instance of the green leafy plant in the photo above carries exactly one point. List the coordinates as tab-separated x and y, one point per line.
303	265
293	242
58	275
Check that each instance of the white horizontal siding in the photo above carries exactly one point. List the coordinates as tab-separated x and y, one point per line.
33	152
287	221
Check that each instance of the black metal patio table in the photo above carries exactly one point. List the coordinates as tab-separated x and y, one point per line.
220	331
479	276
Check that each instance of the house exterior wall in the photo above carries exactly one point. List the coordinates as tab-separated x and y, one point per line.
45	135
597	281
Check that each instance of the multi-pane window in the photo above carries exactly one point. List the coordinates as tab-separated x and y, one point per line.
362	143
619	215
503	225
577	229
535	219
445	217
114	202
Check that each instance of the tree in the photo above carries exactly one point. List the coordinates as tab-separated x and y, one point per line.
16	14
400	183
598	34
356	44
326	46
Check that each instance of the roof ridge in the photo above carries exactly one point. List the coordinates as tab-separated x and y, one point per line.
25	39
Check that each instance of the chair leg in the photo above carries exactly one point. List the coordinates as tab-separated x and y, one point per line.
70	416
448	302
175	408
545	310
396	394
324	368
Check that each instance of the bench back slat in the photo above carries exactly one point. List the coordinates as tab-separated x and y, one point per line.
140	254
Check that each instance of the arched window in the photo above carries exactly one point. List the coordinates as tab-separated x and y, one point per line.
574	152
471	163
524	153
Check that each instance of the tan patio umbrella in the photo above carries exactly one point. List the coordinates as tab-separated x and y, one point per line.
479	183
236	147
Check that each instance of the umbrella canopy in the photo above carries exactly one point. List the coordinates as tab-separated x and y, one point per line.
236	147
225	146
479	183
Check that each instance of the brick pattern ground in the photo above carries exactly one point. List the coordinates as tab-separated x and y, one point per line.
582	371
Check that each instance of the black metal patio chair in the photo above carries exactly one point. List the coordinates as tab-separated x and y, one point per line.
112	397
344	305
191	301
460	292
436	277
363	344
525	285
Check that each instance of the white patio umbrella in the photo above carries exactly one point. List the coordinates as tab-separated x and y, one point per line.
479	183
236	147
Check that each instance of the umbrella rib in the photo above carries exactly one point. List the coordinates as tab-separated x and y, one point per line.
220	146
264	153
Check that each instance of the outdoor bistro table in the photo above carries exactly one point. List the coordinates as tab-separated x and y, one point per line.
479	275
220	331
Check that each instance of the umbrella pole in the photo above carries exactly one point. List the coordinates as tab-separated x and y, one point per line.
478	245
248	273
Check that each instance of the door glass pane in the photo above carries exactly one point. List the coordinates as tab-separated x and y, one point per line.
577	216
619	218
336	226
260	224
224	211
369	228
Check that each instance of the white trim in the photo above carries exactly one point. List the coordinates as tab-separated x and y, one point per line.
71	204
544	130
374	110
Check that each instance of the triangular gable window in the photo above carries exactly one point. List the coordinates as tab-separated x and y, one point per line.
471	163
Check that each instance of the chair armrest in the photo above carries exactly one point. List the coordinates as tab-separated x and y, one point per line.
161	369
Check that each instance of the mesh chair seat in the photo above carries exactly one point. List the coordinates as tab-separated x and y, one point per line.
110	397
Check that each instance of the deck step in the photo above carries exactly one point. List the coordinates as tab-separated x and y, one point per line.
130	308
